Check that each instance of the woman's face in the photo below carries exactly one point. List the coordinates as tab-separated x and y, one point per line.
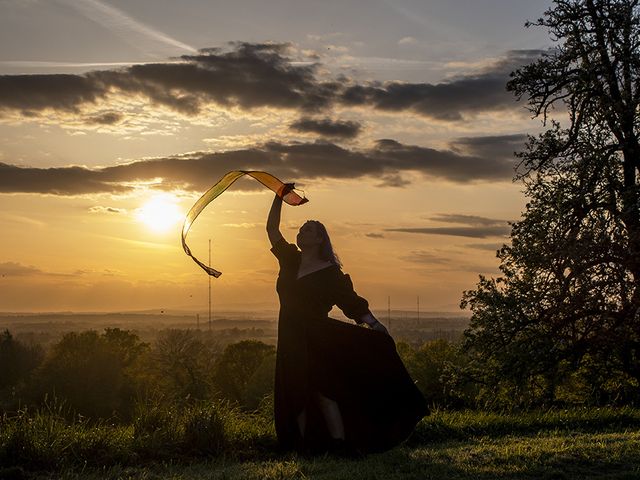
308	236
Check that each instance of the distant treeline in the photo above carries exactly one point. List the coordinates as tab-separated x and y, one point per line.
110	374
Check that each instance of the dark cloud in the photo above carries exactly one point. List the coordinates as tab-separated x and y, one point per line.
327	127
493	247
374	235
472	232
56	181
394	180
14	269
29	93
108	118
262	75
471	220
248	76
465	226
502	146
451	100
422	256
387	160
446	163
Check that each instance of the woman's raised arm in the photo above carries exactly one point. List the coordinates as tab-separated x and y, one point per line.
273	221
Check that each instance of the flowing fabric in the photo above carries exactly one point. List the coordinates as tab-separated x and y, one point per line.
358	368
284	191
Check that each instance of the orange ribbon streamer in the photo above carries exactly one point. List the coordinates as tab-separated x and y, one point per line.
284	191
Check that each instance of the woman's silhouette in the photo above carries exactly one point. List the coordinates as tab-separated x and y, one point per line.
338	387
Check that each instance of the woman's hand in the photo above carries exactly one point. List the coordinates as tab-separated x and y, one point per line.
373	323
378	327
287	188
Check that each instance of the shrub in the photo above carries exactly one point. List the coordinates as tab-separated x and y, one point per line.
204	431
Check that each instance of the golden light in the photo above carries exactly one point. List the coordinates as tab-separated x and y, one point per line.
160	213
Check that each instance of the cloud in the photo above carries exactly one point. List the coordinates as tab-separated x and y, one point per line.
493	247
374	235
490	146
241	225
422	256
464	226
56	181
108	118
386	160
14	269
407	41
327	127
101	209
64	92
394	180
449	101
472	232
471	220
249	76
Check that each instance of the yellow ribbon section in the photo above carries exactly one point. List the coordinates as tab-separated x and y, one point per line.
284	191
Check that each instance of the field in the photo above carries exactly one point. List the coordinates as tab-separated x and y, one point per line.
557	444
214	440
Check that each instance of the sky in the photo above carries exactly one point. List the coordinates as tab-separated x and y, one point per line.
391	116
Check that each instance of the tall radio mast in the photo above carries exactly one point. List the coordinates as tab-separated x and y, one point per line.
209	285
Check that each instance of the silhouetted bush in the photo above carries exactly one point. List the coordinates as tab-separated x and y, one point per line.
17	363
180	365
244	372
93	373
204	431
432	366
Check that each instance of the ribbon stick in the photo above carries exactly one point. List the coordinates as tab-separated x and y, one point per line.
284	191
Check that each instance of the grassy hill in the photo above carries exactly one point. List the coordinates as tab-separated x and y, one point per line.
557	444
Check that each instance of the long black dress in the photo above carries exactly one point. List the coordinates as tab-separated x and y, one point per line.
357	367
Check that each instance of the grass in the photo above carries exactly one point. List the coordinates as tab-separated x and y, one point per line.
223	443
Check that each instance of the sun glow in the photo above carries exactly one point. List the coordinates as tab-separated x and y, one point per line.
160	213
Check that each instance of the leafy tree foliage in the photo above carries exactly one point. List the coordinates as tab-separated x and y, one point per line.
566	309
181	366
431	366
244	370
92	372
17	360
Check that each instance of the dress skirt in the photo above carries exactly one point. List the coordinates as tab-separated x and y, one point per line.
360	370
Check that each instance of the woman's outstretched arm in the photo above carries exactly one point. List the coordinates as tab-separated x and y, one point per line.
373	323
273	221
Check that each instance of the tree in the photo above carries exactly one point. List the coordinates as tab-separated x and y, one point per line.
91	372
182	365
430	366
244	370
569	295
17	360
593	73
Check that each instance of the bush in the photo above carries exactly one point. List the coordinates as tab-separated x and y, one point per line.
244	372
92	373
204	431
157	428
432	366
18	362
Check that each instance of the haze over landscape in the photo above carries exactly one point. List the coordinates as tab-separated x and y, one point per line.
392	117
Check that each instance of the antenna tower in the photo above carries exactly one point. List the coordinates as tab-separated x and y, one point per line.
209	285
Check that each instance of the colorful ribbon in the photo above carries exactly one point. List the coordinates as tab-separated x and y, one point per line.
284	191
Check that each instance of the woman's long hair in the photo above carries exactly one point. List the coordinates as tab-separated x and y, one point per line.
326	251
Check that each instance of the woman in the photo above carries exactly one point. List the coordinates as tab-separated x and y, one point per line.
338	387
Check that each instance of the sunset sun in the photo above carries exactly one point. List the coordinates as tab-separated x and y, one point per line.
160	213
